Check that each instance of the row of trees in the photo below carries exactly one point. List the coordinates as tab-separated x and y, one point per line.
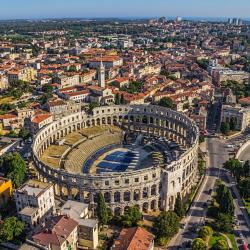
165	226
241	172
119	99
222	209
228	126
204	234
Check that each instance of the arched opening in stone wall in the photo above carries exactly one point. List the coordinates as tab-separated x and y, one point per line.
145	192
117	211
117	197
126	209
98	121
95	196
136	195
153	190
75	194
153	205
127	196
107	197
144	119
145	207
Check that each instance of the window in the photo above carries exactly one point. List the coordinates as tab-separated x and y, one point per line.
137	179
126	181
117	182
145	178
106	183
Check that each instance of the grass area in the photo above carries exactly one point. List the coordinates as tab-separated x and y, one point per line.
247	205
6	99
233	241
215	238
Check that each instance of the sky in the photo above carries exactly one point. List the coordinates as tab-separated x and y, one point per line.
36	9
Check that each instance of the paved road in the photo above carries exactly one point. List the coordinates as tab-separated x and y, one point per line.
218	154
197	213
245	155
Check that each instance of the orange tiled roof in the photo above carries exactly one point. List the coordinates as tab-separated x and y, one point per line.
133	239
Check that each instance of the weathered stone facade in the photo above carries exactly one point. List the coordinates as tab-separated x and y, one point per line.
151	188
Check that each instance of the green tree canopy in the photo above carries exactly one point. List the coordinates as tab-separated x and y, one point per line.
92	105
102	211
235	167
205	232
179	208
222	245
11	229
199	244
233	124
13	167
166	102
224	223
246	168
131	217
244	186
224	128
24	133
166	225
47	88
225	200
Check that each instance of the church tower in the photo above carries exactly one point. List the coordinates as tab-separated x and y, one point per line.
101	76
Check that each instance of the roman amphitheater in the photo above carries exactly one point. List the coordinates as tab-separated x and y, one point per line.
140	155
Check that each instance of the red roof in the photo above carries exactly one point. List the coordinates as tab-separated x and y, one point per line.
135	238
40	118
56	232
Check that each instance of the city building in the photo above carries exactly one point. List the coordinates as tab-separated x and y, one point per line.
240	114
34	201
101	76
87	228
60	233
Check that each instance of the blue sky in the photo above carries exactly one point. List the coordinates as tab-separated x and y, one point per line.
123	8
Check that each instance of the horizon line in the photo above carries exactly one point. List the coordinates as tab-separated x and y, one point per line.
126	17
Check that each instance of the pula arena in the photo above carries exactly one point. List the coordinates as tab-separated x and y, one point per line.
150	186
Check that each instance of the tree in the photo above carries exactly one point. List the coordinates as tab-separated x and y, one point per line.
131	217
225	200
246	168
199	244
235	167
244	186
221	245
24	133
102	211
233	124
166	102
117	99
224	128
205	232
13	167
72	68
166	225
92	106
47	88
122	100
226	203
11	229
224	223
179	209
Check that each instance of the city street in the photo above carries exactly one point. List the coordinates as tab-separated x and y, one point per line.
218	154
